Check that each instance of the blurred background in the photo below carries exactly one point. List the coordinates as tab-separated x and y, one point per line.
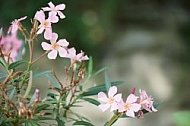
146	41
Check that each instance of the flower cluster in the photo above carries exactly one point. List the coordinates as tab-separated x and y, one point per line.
132	106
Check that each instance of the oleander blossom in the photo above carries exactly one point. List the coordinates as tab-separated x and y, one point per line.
55	47
110	101
76	57
129	107
10	46
54	10
15	25
146	101
45	24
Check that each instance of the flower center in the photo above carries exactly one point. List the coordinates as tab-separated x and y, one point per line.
46	24
55	46
111	100
127	106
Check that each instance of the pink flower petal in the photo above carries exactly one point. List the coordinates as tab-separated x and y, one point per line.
53	18
113	107
112	91
60	7
46	46
130	113
118	97
61	15
40	30
104	107
40	16
46	9
63	42
131	98
48	34
102	97
62	52
54	38
51	5
52	54
135	107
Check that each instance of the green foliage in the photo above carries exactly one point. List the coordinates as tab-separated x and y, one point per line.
182	118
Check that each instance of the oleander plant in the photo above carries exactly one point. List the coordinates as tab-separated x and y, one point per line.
20	101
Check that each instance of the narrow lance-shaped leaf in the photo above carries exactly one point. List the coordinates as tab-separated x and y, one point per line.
53	81
83	123
107	82
16	64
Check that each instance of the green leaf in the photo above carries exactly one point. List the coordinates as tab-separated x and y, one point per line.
40	108
95	90
101	70
53	81
84	123
93	101
182	118
41	73
19	56
12	92
16	64
2	62
60	122
52	95
90	67
33	122
107	81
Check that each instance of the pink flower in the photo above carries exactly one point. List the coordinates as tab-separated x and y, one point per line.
111	100
55	47
15	25
146	101
45	25
54	10
76	57
129	107
10	46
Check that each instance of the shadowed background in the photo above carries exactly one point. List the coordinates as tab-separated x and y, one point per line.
146	41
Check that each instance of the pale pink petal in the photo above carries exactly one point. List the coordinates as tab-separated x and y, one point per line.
51	4
113	107
46	9
121	107
53	18
112	91
153	109
14	28
85	57
62	52
22	18
46	46
118	97
130	113
40	30
104	107
63	42
60	7
72	52
135	107
54	38
40	16
52	54
61	15
102	97
131	98
48	34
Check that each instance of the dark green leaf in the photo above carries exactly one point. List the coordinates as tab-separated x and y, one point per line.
33	122
83	123
40	108
107	81
52	95
12	92
16	64
93	101
60	122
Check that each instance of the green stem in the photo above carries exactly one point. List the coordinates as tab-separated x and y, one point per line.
113	119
